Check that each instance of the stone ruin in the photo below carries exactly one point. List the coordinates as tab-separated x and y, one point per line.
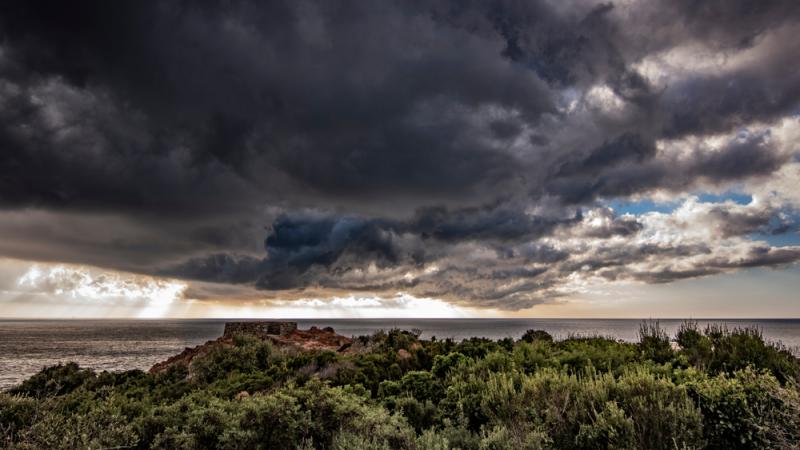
280	333
260	328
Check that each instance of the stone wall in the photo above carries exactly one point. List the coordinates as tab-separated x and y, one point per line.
260	328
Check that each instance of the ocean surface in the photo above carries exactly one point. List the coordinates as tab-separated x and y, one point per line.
26	346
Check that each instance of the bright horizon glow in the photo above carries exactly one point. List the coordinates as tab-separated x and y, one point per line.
86	289
350	307
41	290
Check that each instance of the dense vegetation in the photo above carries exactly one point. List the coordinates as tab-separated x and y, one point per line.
721	389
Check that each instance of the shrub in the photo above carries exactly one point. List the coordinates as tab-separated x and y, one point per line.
389	388
270	421
664	416
422	385
579	355
536	335
502	438
696	346
247	354
431	440
742	347
420	415
462	401
442	364
610	429
102	425
533	356
55	380
749	410
654	342
560	403
350	441
17	413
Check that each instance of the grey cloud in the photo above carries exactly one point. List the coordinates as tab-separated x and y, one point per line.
751	155
715	104
628	147
670	275
301	248
763	256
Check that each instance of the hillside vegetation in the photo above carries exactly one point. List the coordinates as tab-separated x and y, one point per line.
716	389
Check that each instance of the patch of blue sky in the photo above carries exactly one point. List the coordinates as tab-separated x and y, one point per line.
787	239
568	96
736	197
785	231
643	206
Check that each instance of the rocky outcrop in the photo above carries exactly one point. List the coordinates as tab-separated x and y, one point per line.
259	328
185	357
312	339
282	334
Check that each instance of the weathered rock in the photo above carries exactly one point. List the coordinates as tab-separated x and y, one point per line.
282	334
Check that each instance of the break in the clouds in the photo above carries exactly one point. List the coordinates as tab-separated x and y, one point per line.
468	152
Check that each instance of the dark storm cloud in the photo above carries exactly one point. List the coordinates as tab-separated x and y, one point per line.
626	147
757	257
733	23
719	103
290	91
441	147
303	244
486	224
292	97
220	268
629	172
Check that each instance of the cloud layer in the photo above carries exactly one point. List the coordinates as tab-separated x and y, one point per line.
465	151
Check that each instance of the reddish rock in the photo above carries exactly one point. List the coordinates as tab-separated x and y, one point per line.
290	337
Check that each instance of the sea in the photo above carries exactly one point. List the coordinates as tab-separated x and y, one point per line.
26	346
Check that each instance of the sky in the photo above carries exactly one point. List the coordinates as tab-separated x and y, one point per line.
385	158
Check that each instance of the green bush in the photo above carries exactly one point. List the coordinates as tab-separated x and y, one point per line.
56	380
422	386
654	342
664	416
247	355
501	437
17	413
742	347
103	425
694	345
748	410
610	429
536	335
421	415
443	364
579	355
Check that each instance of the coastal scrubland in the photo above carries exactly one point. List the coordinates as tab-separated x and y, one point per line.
703	388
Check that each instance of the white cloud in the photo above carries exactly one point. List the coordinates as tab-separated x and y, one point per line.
149	296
